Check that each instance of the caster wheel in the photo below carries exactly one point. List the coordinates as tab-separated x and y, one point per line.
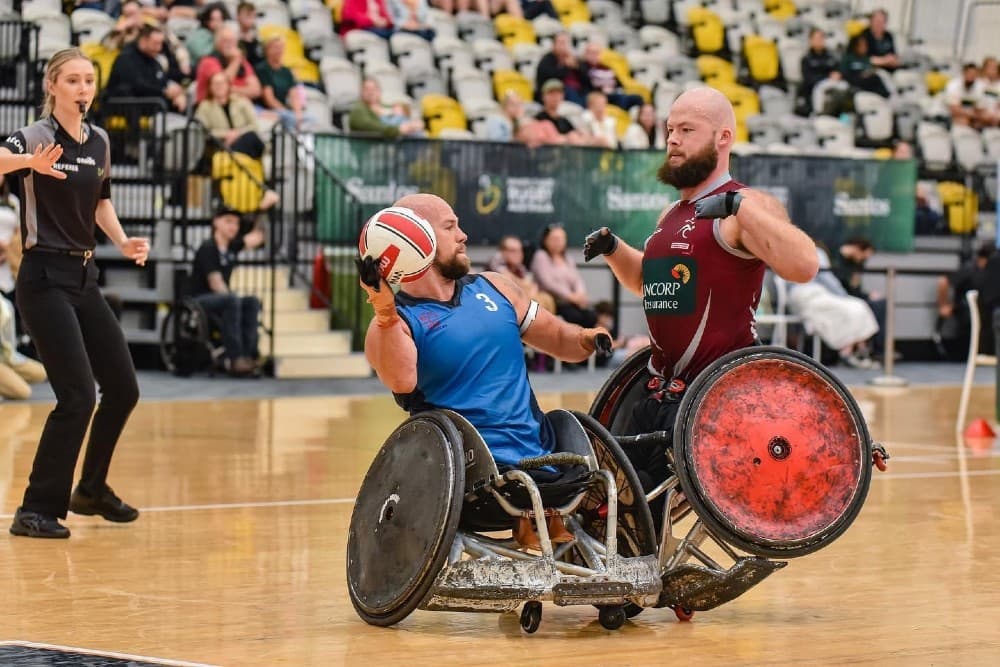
531	616
683	614
611	618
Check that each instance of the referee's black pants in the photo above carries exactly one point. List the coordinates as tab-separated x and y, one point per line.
79	340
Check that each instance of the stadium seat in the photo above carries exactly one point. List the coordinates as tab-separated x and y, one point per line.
657	38
775	101
294	49
526	58
622	119
961	206
833	134
605	12
934	142
744	100
103	60
364	47
707	30
791	51
390	80
413	55
655	12
572	11
855	27
991	139
511	80
440	112
714	69
513	30
342	82
875	115
622	38
240	179
969	149
764	130
647	68
90	25
680	68
546	28
443	23
471	86
473	25
450	52
936	81
491	55
781	9
582	33
762	60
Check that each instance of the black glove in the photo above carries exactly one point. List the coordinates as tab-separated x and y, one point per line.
602	345
721	205
601	242
368	269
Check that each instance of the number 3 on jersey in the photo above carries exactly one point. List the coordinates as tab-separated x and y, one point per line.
490	306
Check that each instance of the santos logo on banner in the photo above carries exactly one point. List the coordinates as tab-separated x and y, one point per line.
846	206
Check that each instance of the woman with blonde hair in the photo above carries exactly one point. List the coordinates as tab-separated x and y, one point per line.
64	165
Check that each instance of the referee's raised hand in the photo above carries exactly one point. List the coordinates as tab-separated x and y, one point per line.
44	159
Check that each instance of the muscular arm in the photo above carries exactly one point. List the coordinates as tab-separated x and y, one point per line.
762	228
626	264
393	354
547	332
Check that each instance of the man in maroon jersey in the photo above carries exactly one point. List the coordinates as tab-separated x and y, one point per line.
701	270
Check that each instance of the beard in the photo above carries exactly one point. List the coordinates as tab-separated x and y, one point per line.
692	171
453	269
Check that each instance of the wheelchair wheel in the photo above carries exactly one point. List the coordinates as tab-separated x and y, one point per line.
772	452
405	518
612	406
636	534
185	346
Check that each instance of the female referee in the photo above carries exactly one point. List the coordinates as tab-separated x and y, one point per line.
64	165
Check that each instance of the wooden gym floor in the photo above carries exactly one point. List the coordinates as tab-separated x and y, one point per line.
238	558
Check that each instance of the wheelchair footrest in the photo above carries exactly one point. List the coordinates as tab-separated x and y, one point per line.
490	584
699	588
591	591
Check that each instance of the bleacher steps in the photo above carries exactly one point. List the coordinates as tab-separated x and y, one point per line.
353	365
290	321
310	344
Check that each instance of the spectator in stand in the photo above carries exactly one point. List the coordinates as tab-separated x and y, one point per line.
848	266
989	311
487	8
965	96
230	118
227	58
602	78
562	65
646	132
506	125
600	128
557	274
201	41
509	261
370	15
552	97
137	71
857	69
881	46
926	220
281	94
534	8
990	76
818	64
954	320
410	16
246	19
369	115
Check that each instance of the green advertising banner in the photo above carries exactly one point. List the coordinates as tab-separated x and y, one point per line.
499	189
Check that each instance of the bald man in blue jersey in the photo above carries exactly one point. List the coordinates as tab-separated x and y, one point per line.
452	339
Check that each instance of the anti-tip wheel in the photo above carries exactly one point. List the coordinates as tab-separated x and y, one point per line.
611	618
683	613
531	616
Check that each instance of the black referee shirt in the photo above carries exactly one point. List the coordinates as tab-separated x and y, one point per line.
55	213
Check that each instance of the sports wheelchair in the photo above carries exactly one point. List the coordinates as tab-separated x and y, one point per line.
190	339
770	458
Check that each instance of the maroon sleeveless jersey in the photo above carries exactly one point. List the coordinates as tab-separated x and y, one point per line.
699	294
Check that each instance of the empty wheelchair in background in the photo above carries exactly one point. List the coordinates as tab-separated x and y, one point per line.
770	459
190	341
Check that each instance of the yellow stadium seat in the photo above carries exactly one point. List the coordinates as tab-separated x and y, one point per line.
936	81
714	69
762	59
781	9
961	206
305	70
622	119
240	178
744	100
855	27
512	30
882	154
337	8
440	112
707	29
294	49
103	60
505	80
572	11
633	87
742	133
618	64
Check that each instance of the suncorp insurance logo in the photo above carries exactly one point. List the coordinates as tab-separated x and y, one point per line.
846	206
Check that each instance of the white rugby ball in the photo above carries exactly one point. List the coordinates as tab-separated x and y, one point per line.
403	243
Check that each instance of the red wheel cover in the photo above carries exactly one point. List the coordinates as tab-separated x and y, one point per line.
776	450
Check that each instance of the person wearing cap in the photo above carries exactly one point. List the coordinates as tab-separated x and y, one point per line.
552	97
562	65
213	265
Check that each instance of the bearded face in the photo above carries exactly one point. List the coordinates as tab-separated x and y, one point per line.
453	268
693	170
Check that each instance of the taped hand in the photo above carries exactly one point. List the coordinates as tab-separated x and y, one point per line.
380	295
600	242
721	205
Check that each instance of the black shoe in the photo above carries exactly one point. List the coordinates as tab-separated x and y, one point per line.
108	506
33	524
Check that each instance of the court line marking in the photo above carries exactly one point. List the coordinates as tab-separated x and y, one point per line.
107	654
346	501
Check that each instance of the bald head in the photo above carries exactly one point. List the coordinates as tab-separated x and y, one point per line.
430	207
708	103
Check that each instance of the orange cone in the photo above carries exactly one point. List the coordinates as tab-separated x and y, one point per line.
979	428
980	446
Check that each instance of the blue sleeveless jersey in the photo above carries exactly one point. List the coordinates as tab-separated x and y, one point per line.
470	360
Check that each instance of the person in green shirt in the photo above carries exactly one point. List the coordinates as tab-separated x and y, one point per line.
201	41
369	115
281	94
